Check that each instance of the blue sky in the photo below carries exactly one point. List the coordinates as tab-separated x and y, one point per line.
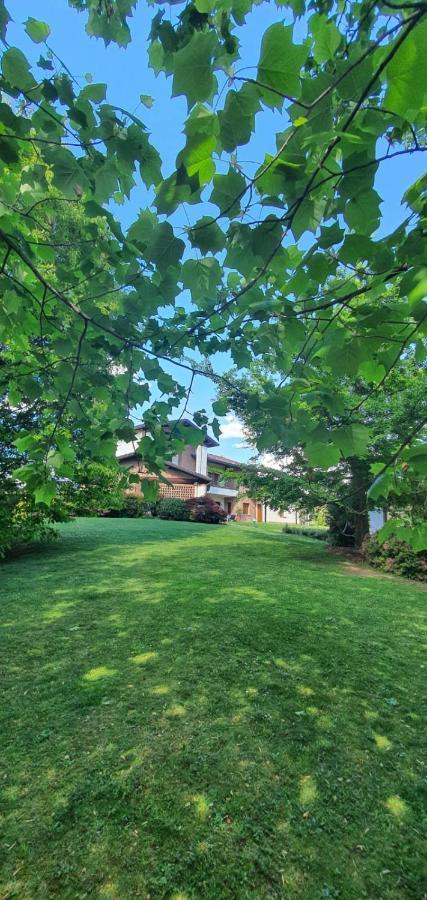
127	75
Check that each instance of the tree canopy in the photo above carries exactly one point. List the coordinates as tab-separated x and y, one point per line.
381	426
287	258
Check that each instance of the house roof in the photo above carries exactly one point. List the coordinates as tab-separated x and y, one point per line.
196	476
222	460
207	442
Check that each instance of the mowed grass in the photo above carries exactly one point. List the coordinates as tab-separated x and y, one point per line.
208	712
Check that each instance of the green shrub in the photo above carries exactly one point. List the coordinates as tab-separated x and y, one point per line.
206	510
94	489
22	523
396	557
133	507
173	508
320	517
321	534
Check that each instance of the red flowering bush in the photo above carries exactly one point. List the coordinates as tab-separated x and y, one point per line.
396	557
205	509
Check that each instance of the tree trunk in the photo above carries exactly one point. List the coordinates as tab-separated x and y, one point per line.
360	481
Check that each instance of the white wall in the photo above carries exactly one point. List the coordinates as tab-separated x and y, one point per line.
126	448
202	460
376	520
287	516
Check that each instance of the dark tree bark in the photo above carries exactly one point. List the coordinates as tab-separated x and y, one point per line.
360	481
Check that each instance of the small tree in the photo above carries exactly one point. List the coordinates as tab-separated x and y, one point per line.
94	489
23	521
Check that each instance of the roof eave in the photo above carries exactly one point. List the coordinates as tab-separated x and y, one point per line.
207	442
169	465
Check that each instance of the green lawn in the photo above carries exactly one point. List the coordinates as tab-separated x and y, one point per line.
208	712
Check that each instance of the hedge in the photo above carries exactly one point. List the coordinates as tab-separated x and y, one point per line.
320	534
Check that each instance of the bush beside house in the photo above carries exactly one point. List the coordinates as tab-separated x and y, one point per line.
132	507
173	508
198	509
205	510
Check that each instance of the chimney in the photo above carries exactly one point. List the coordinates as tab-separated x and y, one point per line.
202	460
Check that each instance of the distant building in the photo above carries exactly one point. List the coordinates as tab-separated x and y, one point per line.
196	471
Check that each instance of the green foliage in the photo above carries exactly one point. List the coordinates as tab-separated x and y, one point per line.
280	65
396	557
133	507
107	20
327	38
23	522
36	30
277	487
193	75
227	191
94	489
348	468
136	507
408	74
173	508
320	517
288	262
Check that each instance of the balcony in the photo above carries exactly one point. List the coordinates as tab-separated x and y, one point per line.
218	490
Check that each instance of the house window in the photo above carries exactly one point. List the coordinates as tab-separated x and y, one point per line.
246	509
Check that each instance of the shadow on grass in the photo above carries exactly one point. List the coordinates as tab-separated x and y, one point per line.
215	716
